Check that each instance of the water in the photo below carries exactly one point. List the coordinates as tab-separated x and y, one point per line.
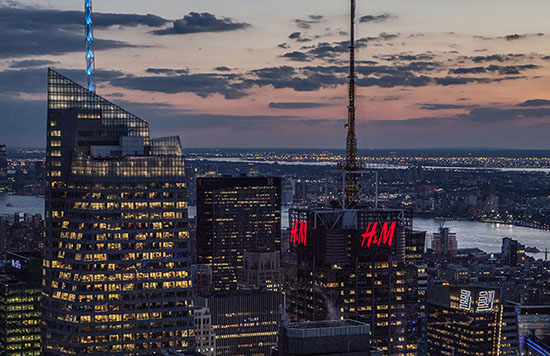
469	234
11	204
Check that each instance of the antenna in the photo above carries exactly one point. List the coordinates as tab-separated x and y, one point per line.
90	57
350	166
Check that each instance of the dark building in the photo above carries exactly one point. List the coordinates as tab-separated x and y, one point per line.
350	263
533	346
261	270
444	242
3	169
245	322
236	215
325	338
20	305
513	252
469	320
117	275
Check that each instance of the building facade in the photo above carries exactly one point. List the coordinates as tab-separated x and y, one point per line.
205	337
245	322
236	215
20	305
3	169
469	320
261	270
350	264
116	254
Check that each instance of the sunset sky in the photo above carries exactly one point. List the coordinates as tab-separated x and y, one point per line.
272	73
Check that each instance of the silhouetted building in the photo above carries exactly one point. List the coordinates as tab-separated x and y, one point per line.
245	321
325	338
20	305
202	279
513	252
261	270
444	242
236	215
470	320
350	263
117	275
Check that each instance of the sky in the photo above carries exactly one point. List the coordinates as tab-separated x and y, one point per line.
273	73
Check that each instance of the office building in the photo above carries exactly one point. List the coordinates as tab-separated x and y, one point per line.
117	275
261	270
202	279
325	338
513	252
534	320
245	322
205	337
350	264
236	215
20	305
470	320
444	242
3	169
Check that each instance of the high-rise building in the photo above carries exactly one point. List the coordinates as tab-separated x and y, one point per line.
350	264
205	337
261	270
3	169
444	242
322	338
236	215
513	252
20	305
470	320
245	321
116	255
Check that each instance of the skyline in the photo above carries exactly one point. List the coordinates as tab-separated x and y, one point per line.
259	75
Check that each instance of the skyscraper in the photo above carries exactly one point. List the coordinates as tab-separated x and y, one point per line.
116	255
236	215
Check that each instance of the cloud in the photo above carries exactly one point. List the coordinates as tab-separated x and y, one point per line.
496	58
297	105
222	69
435	107
535	102
35	31
515	36
296	56
297	36
306	23
329	51
503	70
377	18
167	71
203	22
30	63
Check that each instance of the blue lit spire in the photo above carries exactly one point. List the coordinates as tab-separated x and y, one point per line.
90	58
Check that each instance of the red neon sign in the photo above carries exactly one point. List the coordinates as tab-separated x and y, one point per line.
298	233
385	236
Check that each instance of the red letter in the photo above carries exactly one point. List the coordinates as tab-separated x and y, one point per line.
294	232
387	235
303	232
370	234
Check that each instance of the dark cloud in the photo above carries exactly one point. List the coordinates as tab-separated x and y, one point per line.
502	70
32	63
283	45
474	70
222	69
306	23
496	58
435	107
203	22
297	105
408	57
535	102
515	36
296	56
377	18
167	71
297	36
329	51
35	31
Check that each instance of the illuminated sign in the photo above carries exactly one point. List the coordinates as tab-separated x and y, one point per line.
373	237
465	299
298	233
16	264
485	301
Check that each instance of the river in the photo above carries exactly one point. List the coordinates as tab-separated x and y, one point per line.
487	237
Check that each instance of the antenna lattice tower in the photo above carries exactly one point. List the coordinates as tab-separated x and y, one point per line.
90	57
351	165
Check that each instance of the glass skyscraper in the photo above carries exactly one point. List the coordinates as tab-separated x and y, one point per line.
116	256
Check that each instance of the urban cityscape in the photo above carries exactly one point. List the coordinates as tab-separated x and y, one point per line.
399	205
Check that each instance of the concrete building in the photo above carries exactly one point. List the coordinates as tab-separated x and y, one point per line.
261	270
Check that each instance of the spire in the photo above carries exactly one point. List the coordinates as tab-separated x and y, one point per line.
350	164
90	58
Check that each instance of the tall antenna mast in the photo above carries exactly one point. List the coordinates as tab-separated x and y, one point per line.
90	57
351	188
